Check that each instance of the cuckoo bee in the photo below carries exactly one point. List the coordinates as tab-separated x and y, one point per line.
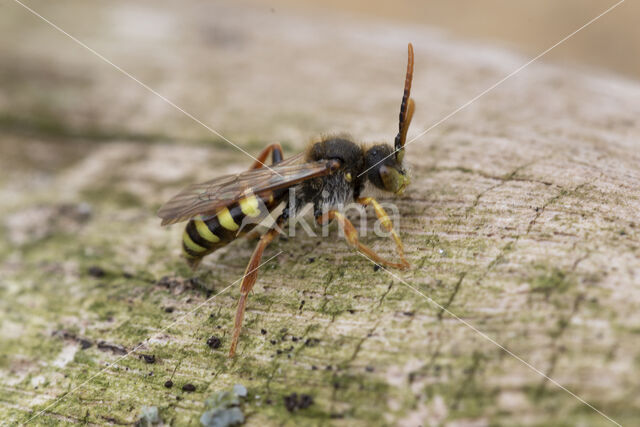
330	173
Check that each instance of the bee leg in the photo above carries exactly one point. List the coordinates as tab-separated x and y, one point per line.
276	156
253	235
249	279
351	235
386	223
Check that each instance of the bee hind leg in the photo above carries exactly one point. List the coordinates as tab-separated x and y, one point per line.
249	279
253	235
351	235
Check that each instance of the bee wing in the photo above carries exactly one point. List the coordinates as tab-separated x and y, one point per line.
295	159
209	197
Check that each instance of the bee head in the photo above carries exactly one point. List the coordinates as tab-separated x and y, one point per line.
385	170
383	163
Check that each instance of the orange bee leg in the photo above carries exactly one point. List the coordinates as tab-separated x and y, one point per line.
351	235
386	223
253	235
249	279
276	156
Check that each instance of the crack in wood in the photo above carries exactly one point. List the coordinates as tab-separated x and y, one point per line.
445	306
563	325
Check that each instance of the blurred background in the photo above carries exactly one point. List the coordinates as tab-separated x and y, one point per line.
528	26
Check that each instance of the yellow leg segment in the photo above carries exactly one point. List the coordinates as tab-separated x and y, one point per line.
386	223
351	235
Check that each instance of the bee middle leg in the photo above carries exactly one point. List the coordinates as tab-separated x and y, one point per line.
386	223
276	156
351	235
249	279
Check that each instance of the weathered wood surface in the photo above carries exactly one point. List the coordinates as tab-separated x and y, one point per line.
522	219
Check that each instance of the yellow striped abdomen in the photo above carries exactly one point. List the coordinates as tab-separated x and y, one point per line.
203	236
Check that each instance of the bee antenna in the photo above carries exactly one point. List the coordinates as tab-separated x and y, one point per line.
406	108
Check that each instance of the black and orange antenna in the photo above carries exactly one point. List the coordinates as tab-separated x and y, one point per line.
406	108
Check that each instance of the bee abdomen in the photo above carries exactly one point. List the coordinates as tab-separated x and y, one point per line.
203	236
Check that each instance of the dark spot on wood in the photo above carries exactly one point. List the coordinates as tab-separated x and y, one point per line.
294	402
96	271
189	388
214	342
311	342
376	267
167	282
148	358
114	348
66	335
263	331
194	282
305	401
311	260
168	384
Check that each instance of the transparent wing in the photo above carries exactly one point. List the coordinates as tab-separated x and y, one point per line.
209	197
295	159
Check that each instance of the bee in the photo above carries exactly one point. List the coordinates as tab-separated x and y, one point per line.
330	173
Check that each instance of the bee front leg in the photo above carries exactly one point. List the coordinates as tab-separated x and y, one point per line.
249	279
386	223
351	235
276	156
